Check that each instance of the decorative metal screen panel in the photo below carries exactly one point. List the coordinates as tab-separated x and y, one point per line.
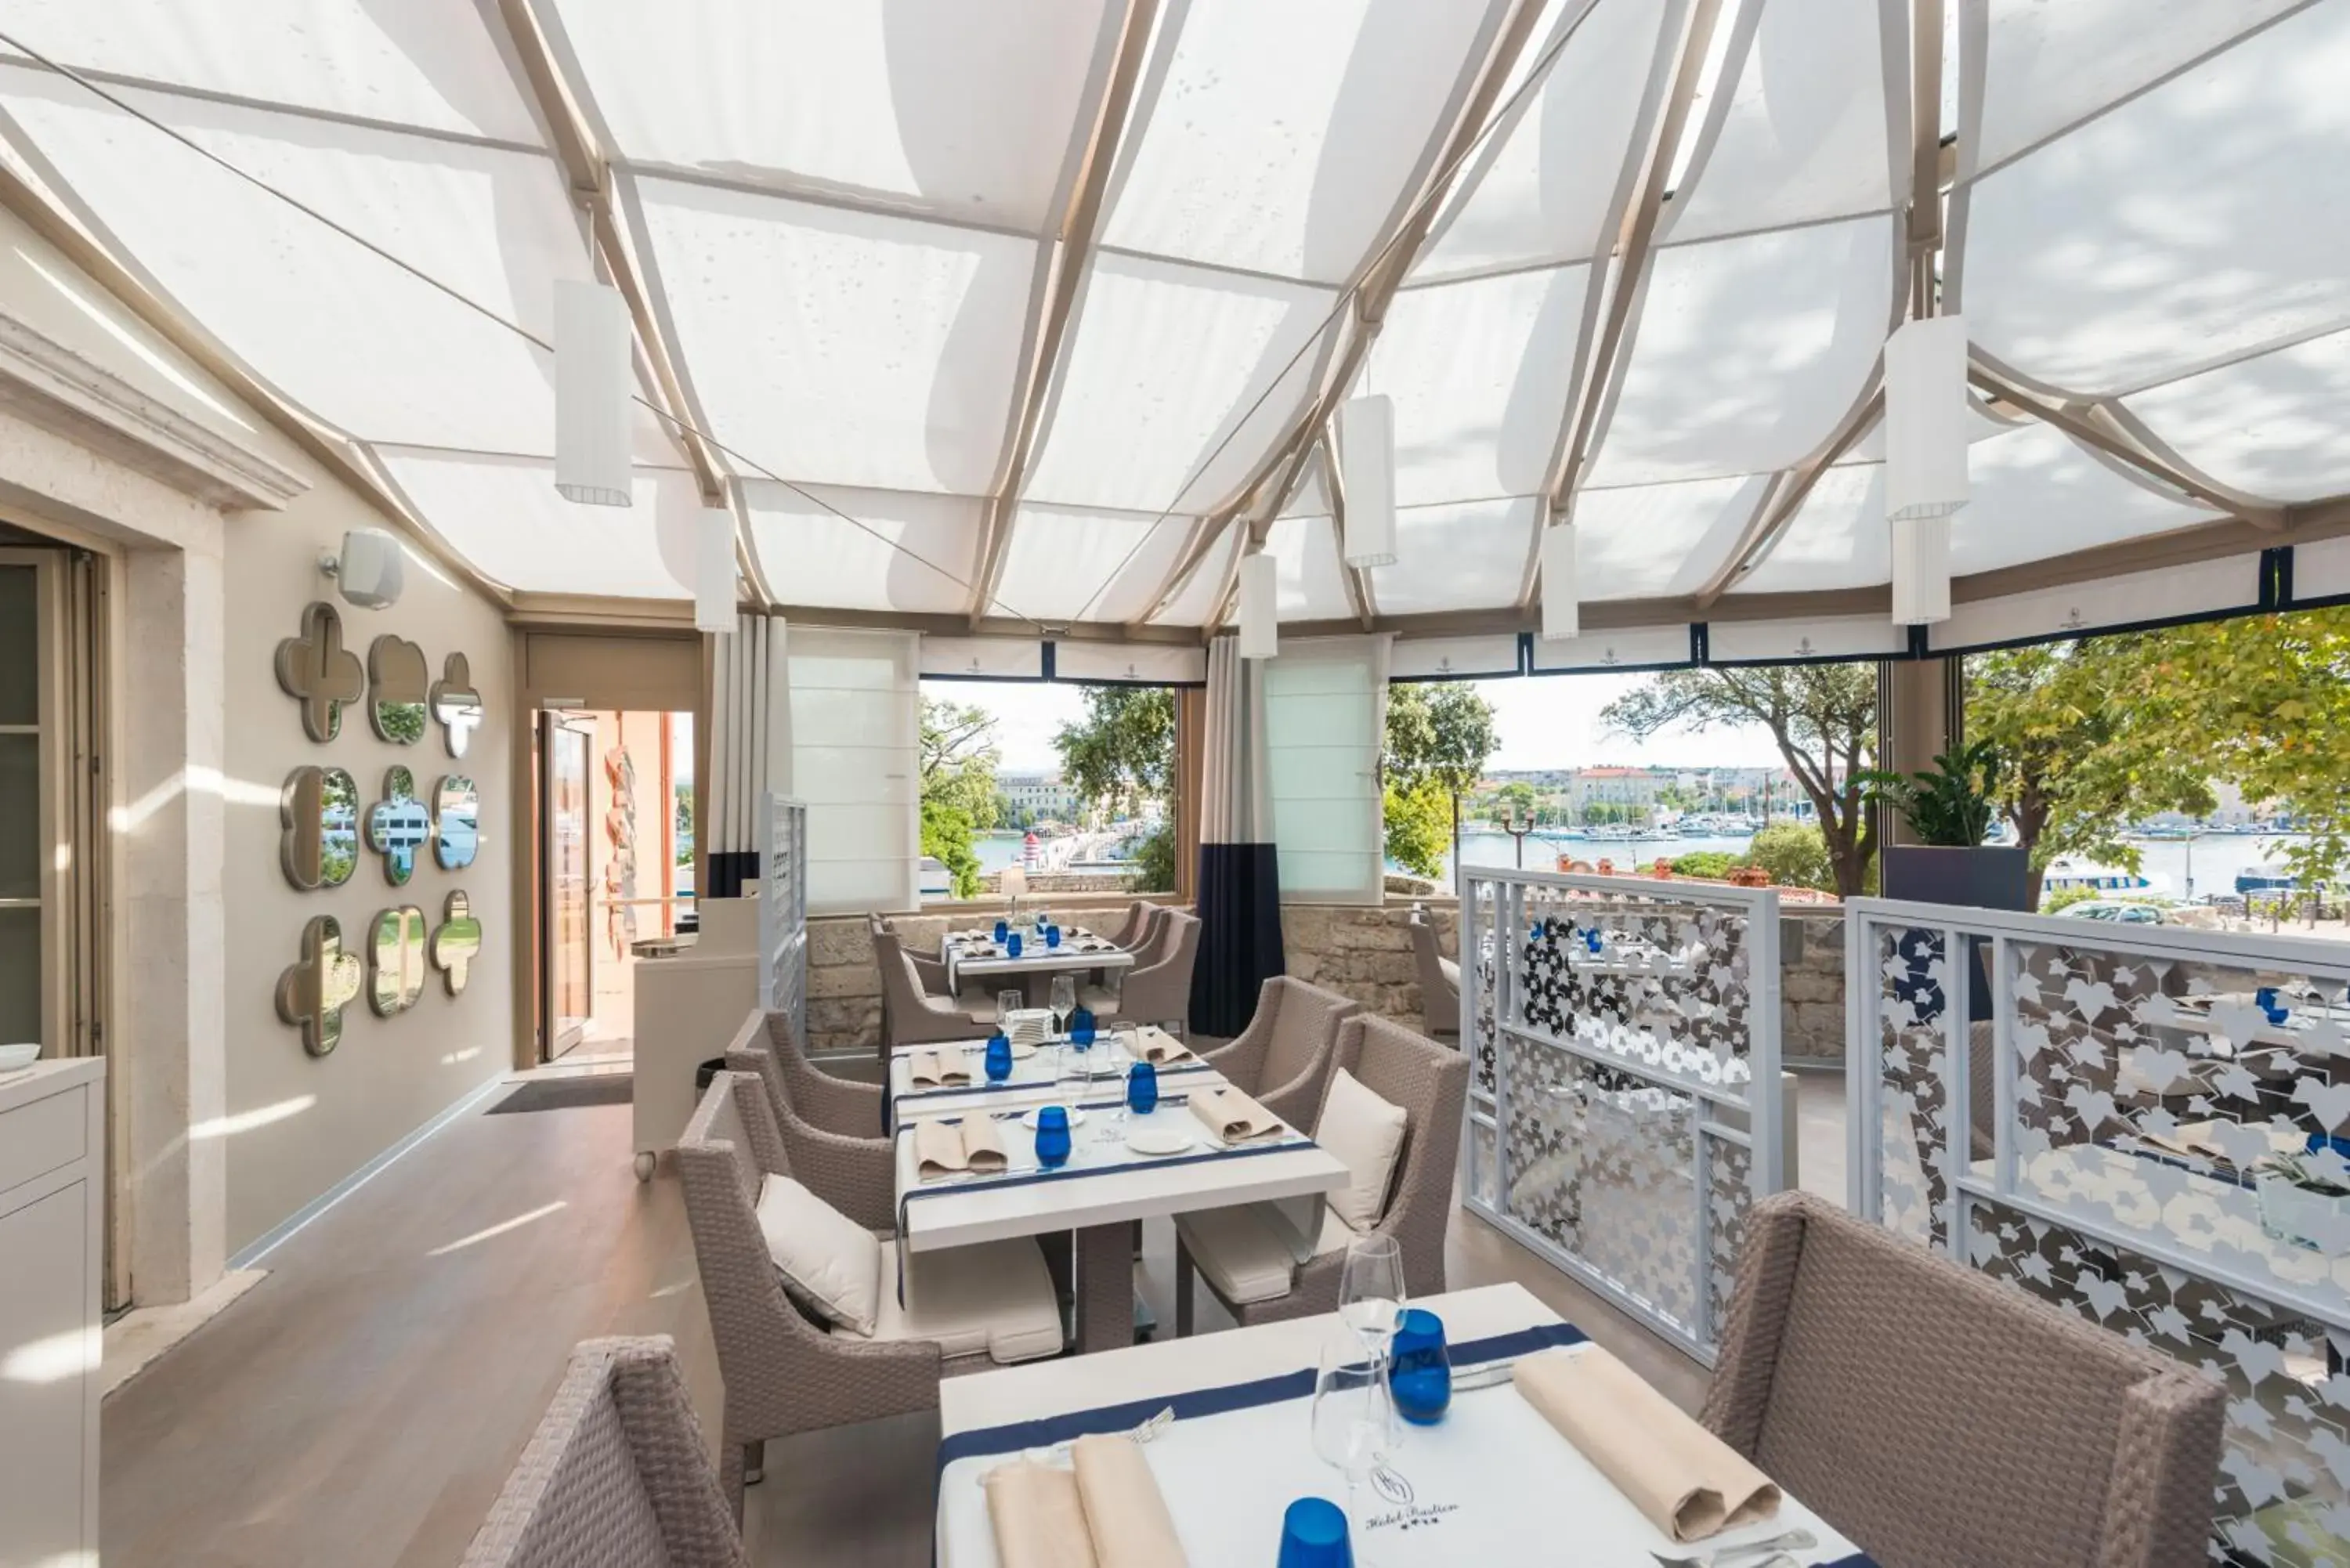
783	907
2095	1114
1624	1107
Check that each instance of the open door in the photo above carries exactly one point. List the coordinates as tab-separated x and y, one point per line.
565	740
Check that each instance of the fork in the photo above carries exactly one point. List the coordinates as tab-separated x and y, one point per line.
1142	1432
1799	1540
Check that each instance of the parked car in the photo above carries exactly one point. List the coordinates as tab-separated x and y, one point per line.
2116	910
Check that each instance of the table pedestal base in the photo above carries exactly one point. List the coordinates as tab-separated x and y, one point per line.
1104	1287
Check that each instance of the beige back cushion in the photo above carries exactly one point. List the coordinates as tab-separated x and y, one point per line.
831	1265
1367	1133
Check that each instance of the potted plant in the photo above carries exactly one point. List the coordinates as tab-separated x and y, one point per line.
1950	808
2306	1199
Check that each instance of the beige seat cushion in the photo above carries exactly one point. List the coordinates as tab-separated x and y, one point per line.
1451	970
995	1299
1367	1133
830	1263
1097	1000
1242	1253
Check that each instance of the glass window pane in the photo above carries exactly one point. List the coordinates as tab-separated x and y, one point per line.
20	816
20	648
20	975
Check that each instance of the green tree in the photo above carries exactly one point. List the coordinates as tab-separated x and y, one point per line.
2082	765
1418	827
946	834
1121	753
1795	856
1441	732
2263	702
1822	718
1154	861
959	758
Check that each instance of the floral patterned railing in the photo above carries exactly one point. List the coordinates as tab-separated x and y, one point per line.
2121	1090
1624	1104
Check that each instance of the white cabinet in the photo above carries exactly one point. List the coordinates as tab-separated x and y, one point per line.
52	1202
688	1007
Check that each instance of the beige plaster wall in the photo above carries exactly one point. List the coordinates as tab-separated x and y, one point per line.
232	1127
333	1114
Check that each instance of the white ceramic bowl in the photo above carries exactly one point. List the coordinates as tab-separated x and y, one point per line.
19	1055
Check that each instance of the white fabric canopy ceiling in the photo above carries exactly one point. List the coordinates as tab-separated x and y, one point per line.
1030	311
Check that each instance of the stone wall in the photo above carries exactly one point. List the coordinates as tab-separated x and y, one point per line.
1811	983
1364	952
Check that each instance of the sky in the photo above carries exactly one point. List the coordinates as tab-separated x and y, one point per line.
1545	721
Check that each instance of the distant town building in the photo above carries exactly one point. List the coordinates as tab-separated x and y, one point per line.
1043	797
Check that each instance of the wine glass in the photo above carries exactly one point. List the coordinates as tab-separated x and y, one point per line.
1371	1296
1354	1427
1008	1003
1065	1000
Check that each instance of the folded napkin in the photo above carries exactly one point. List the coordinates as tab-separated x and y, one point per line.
1155	1046
1233	1116
1030	1025
1684	1480
946	1149
1104	1511
948	1065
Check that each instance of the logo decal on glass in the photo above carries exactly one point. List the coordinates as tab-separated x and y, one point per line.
398	825
320	672
313	993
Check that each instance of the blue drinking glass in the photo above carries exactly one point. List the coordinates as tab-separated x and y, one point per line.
1011	945
1313	1535
2265	998
1053	1137
1421	1375
1591	940
1083	1018
998	1057
1142	1088
1052	936
1003	929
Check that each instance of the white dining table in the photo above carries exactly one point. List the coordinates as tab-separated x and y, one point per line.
1105	1187
976	956
1036	1078
1490	1483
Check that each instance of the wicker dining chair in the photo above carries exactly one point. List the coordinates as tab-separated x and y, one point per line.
1244	1262
772	1047
1282	1058
1440	980
1137	921
929	969
910	1015
616	1476
1943	1419
784	1373
854	1172
1158	989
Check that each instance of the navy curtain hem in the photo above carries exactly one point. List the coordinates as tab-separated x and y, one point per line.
1240	935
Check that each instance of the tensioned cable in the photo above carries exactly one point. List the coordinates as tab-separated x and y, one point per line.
1437	190
487	314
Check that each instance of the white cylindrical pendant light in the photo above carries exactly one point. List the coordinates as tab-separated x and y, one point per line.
591	394
1925	461
1926	418
1260	606
1562	606
714	569
1366	470
1921	569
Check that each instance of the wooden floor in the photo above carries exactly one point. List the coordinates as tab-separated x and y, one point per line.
360	1407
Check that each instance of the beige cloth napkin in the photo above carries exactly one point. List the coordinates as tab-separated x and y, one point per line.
1159	1047
1125	1510
1038	1517
1685	1480
946	1149
947	1067
1104	1511
1233	1116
